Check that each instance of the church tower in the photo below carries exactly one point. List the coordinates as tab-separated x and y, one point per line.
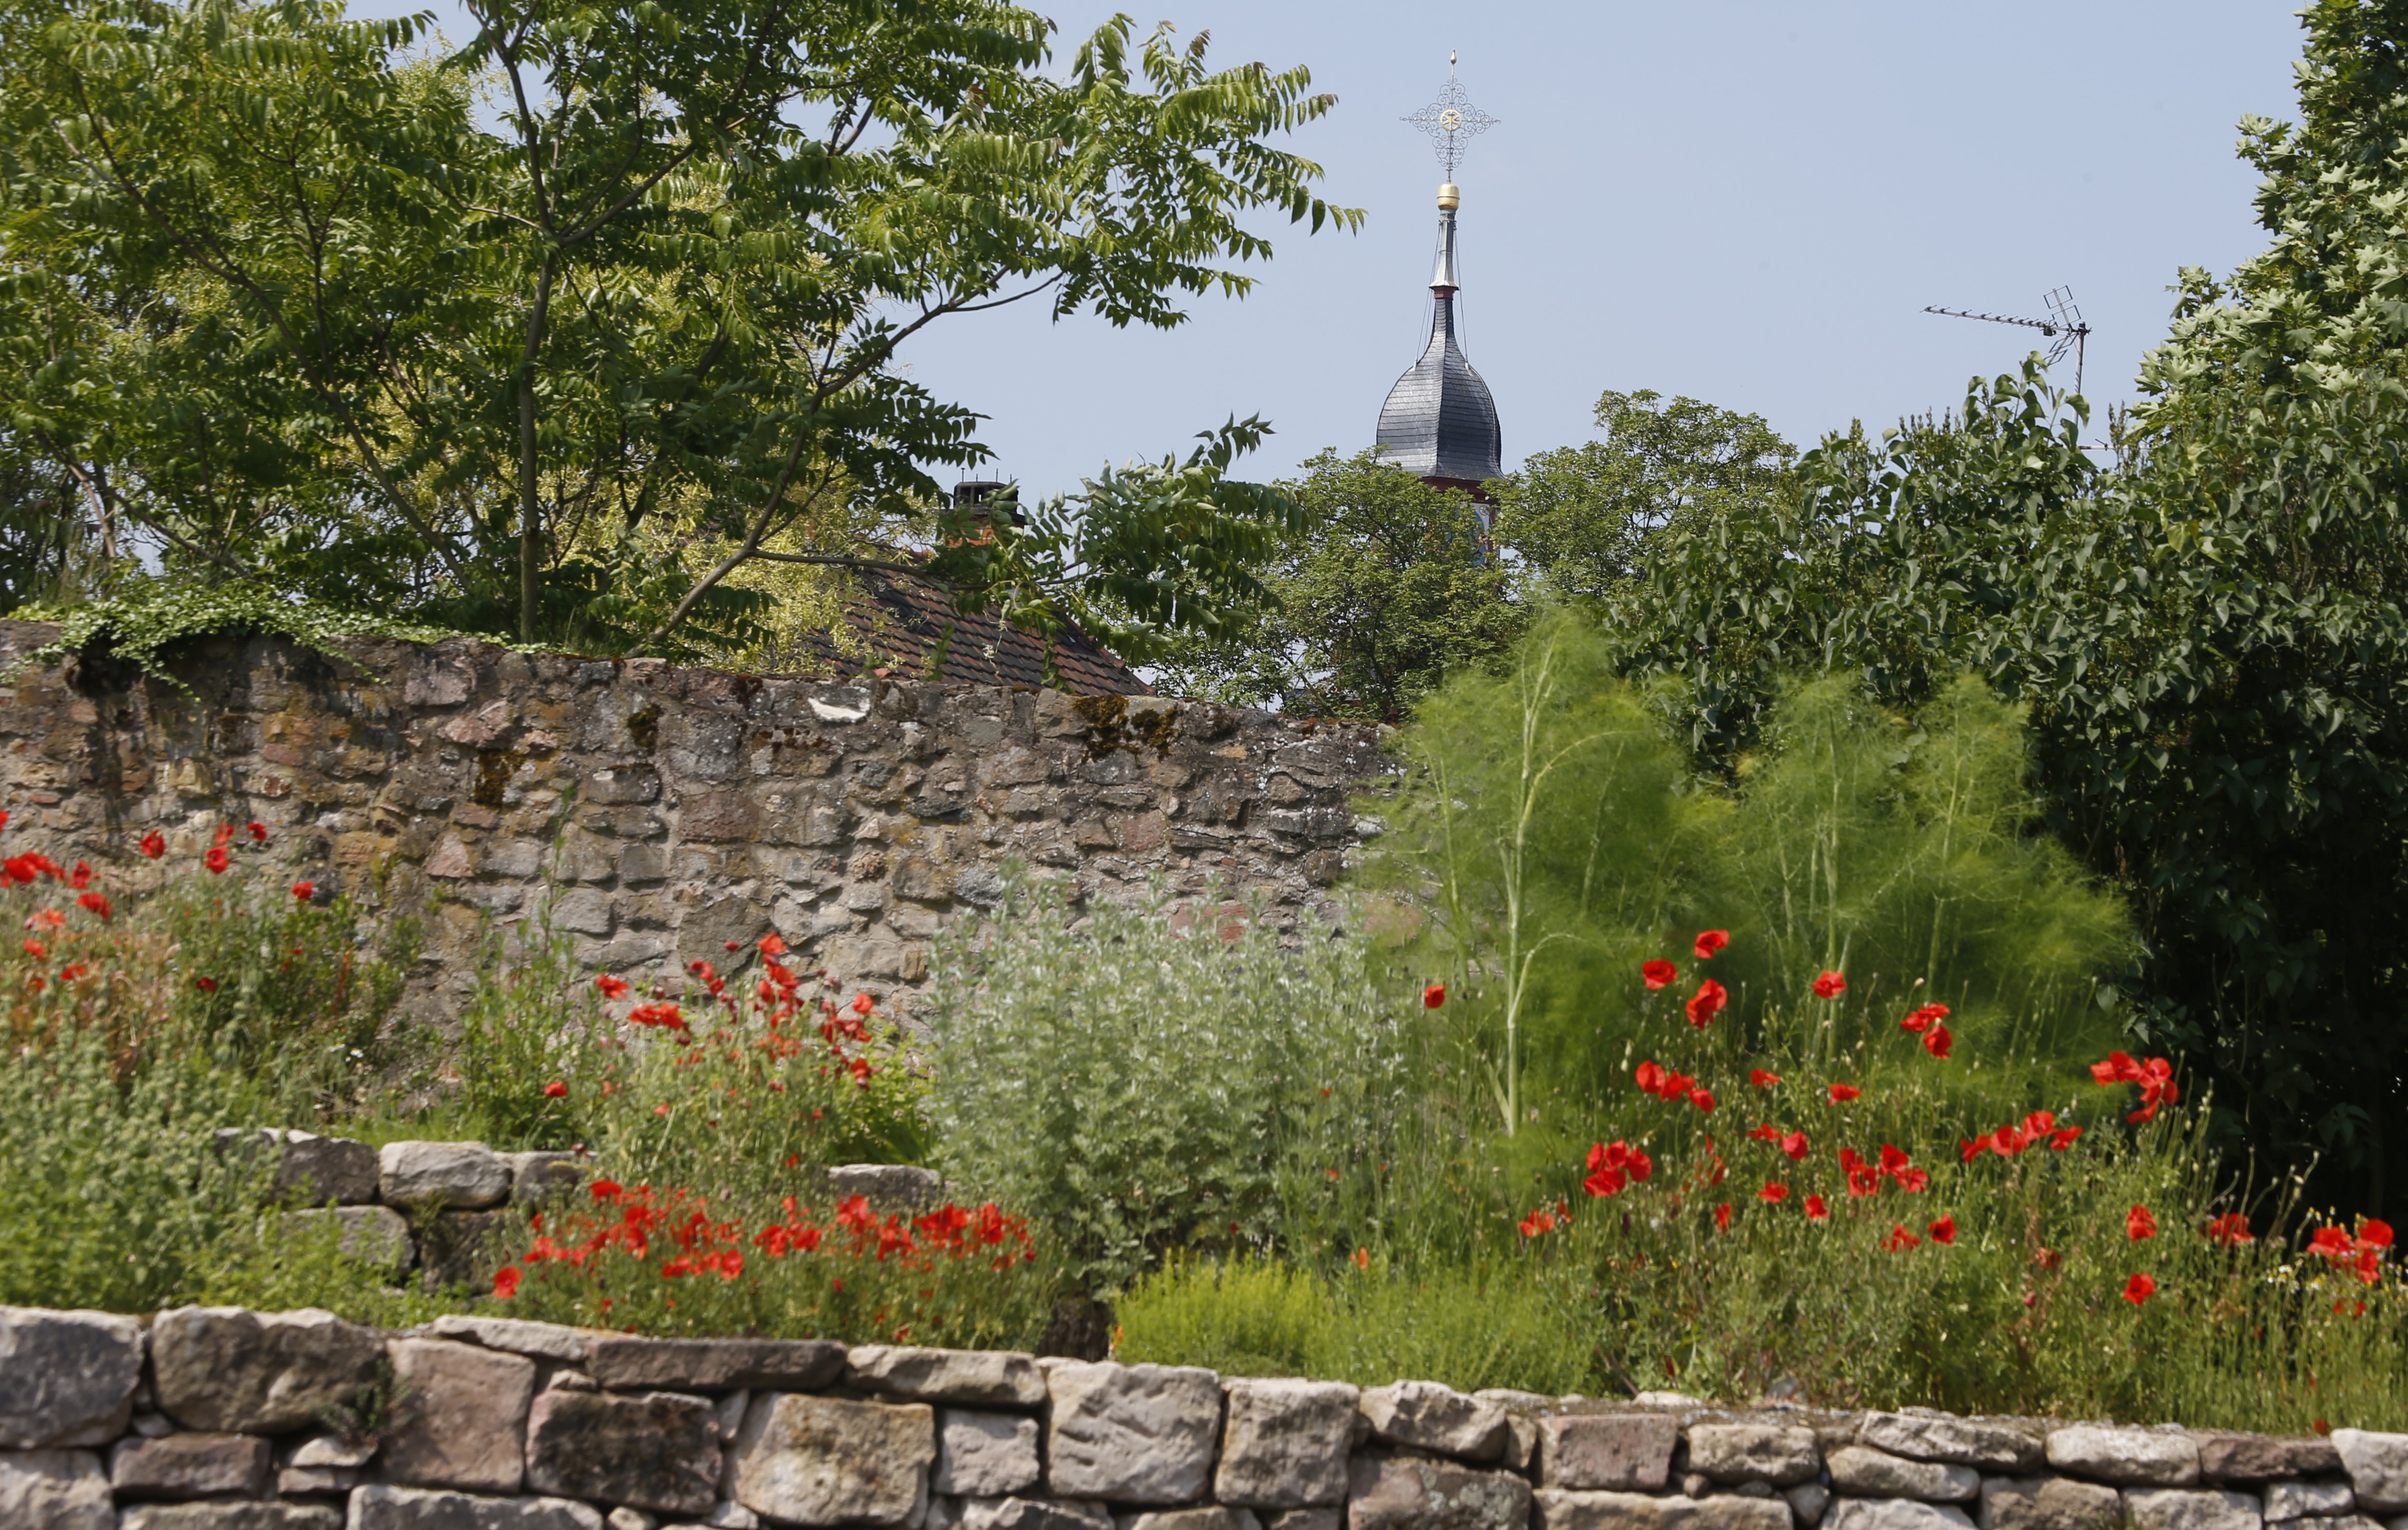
1439	422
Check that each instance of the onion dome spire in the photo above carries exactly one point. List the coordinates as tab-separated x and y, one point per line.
1439	422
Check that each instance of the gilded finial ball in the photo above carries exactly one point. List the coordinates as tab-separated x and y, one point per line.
1449	197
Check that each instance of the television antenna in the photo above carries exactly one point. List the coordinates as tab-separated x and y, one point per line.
2064	325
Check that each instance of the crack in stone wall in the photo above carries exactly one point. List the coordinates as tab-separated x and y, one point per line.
655	812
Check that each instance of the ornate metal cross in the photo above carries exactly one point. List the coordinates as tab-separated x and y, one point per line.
1451	119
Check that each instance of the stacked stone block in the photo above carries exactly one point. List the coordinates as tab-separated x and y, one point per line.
221	1419
656	813
423	1207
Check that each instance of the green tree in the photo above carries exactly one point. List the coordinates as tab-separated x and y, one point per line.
558	334
1393	586
1579	516
2210	634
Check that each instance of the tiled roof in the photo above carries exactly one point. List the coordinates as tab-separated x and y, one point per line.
902	620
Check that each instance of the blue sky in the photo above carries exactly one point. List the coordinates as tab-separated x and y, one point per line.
1748	203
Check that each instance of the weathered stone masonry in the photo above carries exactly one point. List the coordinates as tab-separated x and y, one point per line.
665	812
222	1419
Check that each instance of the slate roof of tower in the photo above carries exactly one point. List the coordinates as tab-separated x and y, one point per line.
901	620
1440	422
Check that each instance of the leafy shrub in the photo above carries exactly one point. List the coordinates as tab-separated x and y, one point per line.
110	1195
1149	1078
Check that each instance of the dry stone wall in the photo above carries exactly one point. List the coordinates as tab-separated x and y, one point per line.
660	812
222	1419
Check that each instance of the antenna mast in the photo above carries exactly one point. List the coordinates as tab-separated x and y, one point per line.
2065	326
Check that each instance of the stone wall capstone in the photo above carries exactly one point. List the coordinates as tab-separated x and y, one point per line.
660	812
493	1424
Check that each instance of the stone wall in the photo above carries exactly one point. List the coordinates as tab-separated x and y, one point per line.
661	812
222	1419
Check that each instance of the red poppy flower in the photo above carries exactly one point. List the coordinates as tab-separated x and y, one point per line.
2155	1076
1944	1230
555	1091
1432	996
1937	1041
225	835
1722	1217
1842	1094
1658	973
2139	1288
1863	1178
506	1281
1703	1099
2139	1223
2063	1138
2230	1230
97	903
1795	1146
303	892
217	858
612	988
1541	1221
82	876
1709	942
1668	1087
207	985
1773	1193
1707	1002
1817	1210
35	950
667	1016
1829	985
605	1190
1899	1239
1895	1164
770	945
863	1004
1612	1166
2331	1242
1762	1080
1765	1132
154	844
1923	1019
1970	1148
1362	1259
258	833
2374	1235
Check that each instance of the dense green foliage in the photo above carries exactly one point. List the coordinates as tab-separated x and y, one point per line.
1399	584
1979	1254
557	334
1389	592
1566	844
1577	517
2211	633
